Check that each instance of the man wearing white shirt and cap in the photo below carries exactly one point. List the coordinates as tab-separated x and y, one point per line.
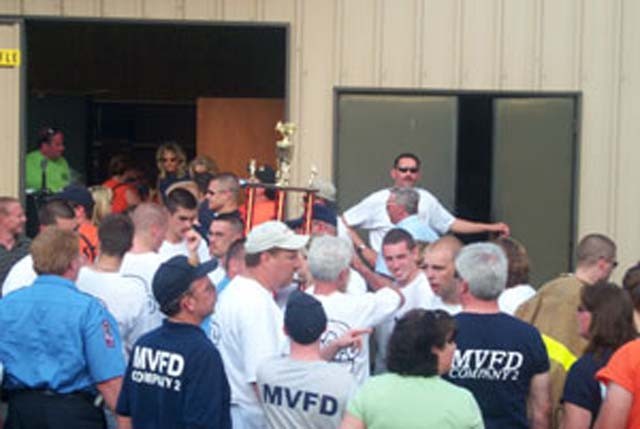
247	325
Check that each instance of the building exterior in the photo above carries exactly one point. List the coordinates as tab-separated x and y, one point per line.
589	46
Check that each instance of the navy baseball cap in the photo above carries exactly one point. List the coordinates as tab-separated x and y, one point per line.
76	194
174	277
304	318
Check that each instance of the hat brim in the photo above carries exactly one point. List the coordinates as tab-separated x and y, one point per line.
292	242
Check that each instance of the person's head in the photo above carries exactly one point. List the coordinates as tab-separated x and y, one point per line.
223	192
12	217
324	220
234	260
518	260
183	211
605	317
329	258
80	199
326	194
58	213
150	222
597	254
183	290
188	185
422	343
202	164
102	197
272	251
170	159
267	175
402	203
483	269
224	230
406	170
115	235
304	318
56	251
631	284
400	252
202	181
439	266
51	142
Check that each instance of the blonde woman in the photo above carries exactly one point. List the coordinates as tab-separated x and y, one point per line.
102	197
172	166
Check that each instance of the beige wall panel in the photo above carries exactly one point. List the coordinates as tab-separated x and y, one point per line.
123	8
518	47
358	42
561	32
10	7
81	8
10	165
627	152
599	126
441	44
316	92
279	10
480	47
203	9
398	55
240	10
42	7
163	9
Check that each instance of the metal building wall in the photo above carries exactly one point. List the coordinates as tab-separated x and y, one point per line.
583	45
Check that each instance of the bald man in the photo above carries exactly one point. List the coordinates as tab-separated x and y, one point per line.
438	265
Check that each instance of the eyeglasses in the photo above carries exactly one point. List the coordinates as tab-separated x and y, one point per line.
413	170
169	159
212	193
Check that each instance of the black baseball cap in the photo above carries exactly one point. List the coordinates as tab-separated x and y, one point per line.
174	277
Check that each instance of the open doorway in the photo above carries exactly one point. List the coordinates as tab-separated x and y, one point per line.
487	156
125	86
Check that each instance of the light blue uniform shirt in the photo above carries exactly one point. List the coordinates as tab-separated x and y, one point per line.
55	337
419	230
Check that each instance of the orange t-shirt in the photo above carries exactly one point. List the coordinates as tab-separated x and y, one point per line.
119	201
88	240
262	212
624	369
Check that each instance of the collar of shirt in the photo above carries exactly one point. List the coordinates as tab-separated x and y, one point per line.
51	279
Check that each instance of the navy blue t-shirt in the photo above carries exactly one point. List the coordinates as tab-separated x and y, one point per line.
496	358
581	387
175	379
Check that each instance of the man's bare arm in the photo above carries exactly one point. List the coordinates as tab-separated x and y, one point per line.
110	390
614	411
539	401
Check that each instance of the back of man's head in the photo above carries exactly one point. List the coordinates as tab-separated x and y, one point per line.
329	256
593	247
448	243
304	318
147	215
228	181
484	267
53	250
49	213
180	198
115	235
408	198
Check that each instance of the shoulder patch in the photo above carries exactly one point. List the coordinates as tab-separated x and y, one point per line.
109	340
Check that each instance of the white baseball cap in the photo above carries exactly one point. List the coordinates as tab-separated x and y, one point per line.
273	235
325	189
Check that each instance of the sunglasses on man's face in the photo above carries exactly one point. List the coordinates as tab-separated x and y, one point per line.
413	170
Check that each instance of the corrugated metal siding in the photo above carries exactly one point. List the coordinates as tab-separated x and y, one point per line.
585	45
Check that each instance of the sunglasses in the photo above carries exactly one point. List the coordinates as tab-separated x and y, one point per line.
407	169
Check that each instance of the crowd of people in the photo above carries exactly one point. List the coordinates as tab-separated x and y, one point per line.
129	310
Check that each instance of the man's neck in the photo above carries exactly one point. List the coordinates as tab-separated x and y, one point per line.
7	239
474	305
107	263
174	238
262	278
324	288
309	352
141	245
587	275
410	279
186	318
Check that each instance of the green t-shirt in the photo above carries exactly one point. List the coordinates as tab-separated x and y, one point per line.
58	173
391	401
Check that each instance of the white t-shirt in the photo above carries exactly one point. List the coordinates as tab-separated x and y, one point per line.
217	275
247	328
20	275
439	304
510	299
125	298
143	266
345	311
417	294
169	250
371	214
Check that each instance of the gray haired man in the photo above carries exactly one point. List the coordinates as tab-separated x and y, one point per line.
500	359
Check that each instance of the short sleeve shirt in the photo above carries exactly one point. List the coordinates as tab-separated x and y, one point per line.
581	387
58	174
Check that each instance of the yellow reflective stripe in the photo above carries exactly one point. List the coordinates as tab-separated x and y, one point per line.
559	352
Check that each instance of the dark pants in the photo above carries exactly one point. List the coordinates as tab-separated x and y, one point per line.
33	409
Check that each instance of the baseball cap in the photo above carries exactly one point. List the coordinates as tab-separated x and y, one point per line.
265	174
76	194
174	277
318	212
273	235
304	318
326	190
